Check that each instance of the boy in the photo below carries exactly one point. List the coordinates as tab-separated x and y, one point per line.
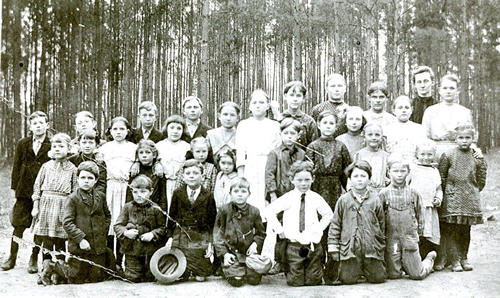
148	114
83	120
377	96
302	226
423	83
192	110
193	207
404	223
238	233
140	228
31	153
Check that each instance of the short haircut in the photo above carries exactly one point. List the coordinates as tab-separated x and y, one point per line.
86	114
465	127
146	144
89	134
359	164
148	106
240	182
38	114
421	69
397	158
174	119
61	138
257	92
373	124
400	98
450	77
190	98
290	122
198	141
231	104
226	152
141	181
300	166
427	144
193	163
325	114
334	76
378	86
88	166
295	86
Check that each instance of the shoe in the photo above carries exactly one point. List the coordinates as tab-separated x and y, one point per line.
8	264
33	264
440	265
275	269
466	265
456	266
46	274
200	278
431	256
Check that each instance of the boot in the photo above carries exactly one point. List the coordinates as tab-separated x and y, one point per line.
466	265
9	263
33	264
456	266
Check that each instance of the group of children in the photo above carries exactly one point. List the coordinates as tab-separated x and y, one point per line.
339	197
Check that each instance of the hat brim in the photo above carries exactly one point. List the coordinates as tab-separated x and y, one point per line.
167	265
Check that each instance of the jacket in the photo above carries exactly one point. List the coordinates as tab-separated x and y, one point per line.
155	135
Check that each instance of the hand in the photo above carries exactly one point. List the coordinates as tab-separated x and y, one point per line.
476	151
84	245
278	229
436	202
131	234
229	259
158	169
252	249
209	251
168	245
335	256
273	196
35	212
99	156
341	112
275	108
147	237
134	169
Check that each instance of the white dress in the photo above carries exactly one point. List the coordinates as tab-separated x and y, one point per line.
403	138
384	119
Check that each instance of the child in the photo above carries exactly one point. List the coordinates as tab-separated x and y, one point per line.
374	155
147	156
377	96
88	141
148	113
83	120
172	151
119	155
255	138
353	139
356	237
55	181
238	233
199	150
425	179
224	137
463	176
192	110
404	222
86	221
404	135
305	216
140	229
336	88
31	153
194	209
226	159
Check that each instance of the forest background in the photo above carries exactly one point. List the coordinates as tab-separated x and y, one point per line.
106	56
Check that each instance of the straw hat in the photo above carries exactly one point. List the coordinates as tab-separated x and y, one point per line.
167	265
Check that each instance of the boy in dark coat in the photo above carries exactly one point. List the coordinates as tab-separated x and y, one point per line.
31	153
148	113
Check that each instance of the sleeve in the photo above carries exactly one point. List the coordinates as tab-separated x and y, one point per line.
240	145
426	123
270	173
346	161
173	214
335	229
162	193
74	180
312	132
439	190
418	212
121	222
102	179
218	234
16	167
380	212
40	177
212	177
260	231
311	156
443	167
281	204
211	212
277	135
74	233
160	229
107	213
481	170
178	178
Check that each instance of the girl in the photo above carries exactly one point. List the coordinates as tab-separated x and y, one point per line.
404	135
55	181
119	155
224	137
226	160
172	152
255	138
147	156
374	155
84	120
353	139
463	176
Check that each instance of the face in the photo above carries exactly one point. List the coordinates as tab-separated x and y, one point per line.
426	156
141	195
119	131
327	125
200	152
192	110
83	122
239	195
398	173
87	146
86	180
289	136
303	181
294	98
59	150
38	126
258	105
373	137
448	91
174	131
403	110
464	139
147	118
359	179
336	89
226	164
192	176
146	156
377	101
354	120
423	84
228	117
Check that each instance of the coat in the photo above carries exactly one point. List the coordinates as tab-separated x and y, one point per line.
84	219
26	166
278	164
155	135
201	131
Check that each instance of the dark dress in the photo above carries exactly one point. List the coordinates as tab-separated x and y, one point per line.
159	195
101	183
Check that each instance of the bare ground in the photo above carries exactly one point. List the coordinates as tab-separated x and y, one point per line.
484	255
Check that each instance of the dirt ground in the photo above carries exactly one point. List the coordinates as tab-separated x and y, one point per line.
484	255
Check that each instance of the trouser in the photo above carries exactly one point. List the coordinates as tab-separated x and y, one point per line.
137	268
14	246
352	269
51	243
305	267
237	269
458	240
111	242
78	272
425	247
196	263
404	254
444	231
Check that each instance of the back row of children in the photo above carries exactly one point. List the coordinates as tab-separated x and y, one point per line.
155	176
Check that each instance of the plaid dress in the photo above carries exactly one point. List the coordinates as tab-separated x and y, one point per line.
54	183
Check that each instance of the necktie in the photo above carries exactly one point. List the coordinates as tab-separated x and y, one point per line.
302	214
191	195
